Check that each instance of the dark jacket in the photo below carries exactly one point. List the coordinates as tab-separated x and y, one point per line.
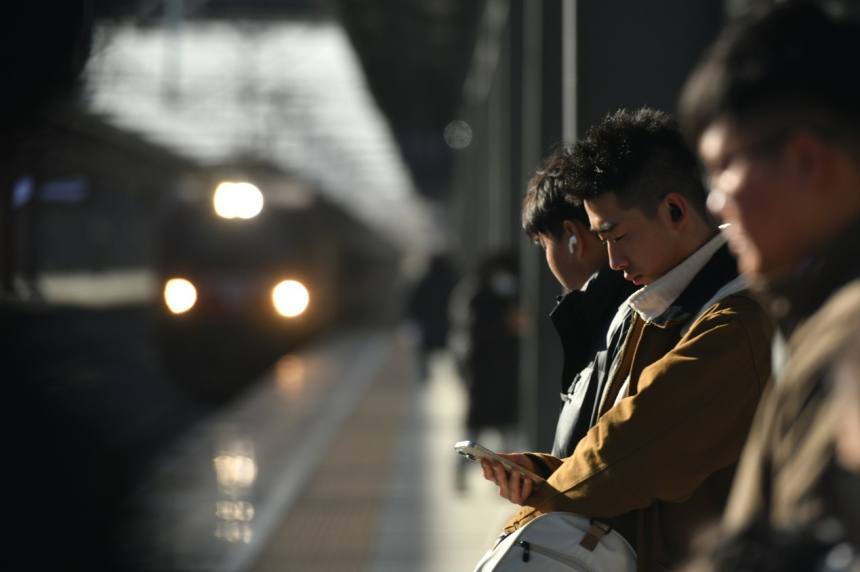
662	459
591	339
428	305
492	362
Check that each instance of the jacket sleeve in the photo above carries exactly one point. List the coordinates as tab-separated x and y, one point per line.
688	419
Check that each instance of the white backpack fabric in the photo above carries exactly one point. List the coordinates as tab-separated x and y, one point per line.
561	542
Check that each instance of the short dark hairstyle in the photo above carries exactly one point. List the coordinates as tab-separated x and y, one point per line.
794	65
546	206
639	155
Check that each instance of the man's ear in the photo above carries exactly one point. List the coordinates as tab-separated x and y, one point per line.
573	228
675	209
811	163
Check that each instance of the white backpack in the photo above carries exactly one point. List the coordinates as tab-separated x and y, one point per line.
561	541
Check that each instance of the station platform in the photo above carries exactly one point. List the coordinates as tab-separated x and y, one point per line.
340	459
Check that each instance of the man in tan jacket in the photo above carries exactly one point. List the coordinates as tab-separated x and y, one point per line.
680	398
774	111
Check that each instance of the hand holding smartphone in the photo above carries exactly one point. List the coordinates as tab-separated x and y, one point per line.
476	452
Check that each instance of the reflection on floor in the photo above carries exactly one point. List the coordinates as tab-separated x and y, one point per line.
331	525
339	460
428	525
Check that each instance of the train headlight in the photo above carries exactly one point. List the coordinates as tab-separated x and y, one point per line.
179	295
237	200
290	298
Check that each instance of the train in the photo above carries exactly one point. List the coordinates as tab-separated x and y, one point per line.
242	287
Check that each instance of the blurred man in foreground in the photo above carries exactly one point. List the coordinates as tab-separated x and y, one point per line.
679	403
583	317
775	110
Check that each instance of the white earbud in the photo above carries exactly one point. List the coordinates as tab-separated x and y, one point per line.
570	243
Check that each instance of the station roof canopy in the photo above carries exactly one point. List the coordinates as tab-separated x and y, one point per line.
414	53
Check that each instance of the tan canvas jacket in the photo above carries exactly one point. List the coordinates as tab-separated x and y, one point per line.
662	459
781	475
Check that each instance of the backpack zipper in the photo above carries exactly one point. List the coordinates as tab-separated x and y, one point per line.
568	560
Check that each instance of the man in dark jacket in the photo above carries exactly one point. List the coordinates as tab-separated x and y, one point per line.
676	409
774	110
590	338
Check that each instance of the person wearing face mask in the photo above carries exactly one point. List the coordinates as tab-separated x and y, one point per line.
491	365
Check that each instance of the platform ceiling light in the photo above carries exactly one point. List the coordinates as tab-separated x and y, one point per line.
179	295
290	298
238	200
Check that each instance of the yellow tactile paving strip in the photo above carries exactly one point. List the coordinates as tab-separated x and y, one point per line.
332	526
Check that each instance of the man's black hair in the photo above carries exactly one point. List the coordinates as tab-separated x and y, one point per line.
640	156
794	65
546	207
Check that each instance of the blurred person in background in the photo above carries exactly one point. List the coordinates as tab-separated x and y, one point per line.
583	317
774	108
491	368
428	309
676	411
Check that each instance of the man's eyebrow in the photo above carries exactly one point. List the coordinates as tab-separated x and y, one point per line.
604	228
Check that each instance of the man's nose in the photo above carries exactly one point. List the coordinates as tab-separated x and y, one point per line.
617	260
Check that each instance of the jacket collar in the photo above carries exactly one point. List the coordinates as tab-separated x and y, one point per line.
720	270
582	317
798	297
579	312
682	287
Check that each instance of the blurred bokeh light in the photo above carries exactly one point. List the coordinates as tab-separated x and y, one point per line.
179	295
458	134
290	298
238	200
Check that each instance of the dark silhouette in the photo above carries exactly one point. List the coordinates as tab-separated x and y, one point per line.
491	368
429	309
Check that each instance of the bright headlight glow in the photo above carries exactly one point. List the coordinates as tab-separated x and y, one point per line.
238	200
290	298
179	295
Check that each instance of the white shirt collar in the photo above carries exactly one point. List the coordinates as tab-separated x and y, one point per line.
652	300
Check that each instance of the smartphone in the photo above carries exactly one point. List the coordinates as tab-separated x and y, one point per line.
476	452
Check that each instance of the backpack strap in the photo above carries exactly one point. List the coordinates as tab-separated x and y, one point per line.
595	533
